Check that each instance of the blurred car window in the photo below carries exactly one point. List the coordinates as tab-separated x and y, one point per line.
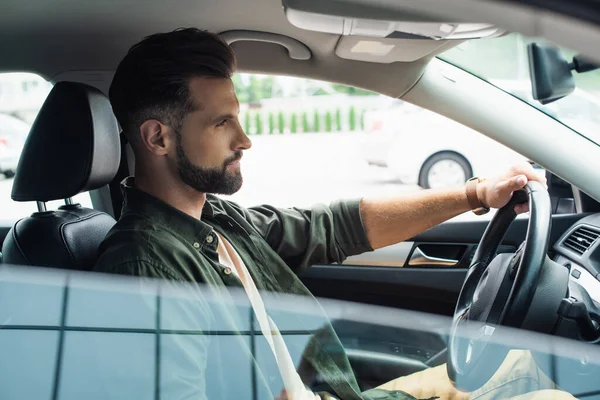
21	96
75	358
317	141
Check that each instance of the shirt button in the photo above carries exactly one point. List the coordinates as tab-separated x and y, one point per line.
227	271
196	245
210	239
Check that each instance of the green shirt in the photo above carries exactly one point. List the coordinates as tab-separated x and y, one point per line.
153	239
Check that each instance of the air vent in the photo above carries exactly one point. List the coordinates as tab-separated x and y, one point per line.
581	239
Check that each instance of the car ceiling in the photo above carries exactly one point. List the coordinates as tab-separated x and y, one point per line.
59	39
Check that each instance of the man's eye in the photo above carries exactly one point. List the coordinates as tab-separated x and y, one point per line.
222	123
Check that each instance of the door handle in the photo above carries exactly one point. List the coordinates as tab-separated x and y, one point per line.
418	258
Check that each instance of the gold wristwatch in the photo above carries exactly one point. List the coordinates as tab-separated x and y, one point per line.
477	206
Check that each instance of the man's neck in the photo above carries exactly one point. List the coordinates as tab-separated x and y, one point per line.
173	192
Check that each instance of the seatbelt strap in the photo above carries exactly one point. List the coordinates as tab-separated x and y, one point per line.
126	168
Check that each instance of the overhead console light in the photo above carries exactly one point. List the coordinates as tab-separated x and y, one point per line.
350	18
372	47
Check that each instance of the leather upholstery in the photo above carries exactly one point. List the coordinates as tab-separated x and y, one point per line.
67	238
73	147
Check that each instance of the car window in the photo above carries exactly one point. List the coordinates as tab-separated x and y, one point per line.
316	142
151	337
21	96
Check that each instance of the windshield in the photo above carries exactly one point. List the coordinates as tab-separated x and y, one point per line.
504	63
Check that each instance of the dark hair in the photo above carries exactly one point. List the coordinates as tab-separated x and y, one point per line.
152	81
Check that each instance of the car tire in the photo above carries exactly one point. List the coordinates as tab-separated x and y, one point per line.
9	174
457	170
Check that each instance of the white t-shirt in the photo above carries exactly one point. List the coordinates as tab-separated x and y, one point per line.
294	386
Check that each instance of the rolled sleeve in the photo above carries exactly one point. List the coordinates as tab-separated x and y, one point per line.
319	235
350	232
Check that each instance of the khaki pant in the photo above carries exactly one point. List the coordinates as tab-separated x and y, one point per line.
518	378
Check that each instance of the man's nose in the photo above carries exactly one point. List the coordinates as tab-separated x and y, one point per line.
244	142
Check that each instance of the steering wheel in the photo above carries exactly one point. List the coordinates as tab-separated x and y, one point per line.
500	290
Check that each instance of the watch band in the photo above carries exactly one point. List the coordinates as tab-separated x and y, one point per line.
471	190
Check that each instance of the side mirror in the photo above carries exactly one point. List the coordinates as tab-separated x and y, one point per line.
550	71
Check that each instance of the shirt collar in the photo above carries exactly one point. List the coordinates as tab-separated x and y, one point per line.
192	229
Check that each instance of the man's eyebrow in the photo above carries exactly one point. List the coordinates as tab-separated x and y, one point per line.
221	117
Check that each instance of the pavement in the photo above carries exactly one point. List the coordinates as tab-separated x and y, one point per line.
304	169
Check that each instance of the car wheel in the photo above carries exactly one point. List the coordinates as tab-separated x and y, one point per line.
444	170
9	174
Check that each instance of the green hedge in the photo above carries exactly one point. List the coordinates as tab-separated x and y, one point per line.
305	124
271	123
294	123
352	119
258	123
281	122
329	121
247	123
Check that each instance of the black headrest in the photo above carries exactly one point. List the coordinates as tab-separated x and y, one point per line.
73	146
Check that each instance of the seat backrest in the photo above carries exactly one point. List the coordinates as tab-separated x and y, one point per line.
65	238
73	147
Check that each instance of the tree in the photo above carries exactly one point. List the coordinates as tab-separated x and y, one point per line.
320	92
305	124
253	90
338	120
352	119
328	122
316	121
352	91
240	89
259	127
294	123
271	123
281	122
247	122
257	88
362	119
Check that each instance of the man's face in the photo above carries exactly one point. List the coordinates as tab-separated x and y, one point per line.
211	140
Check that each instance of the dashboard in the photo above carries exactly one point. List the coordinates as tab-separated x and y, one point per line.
578	249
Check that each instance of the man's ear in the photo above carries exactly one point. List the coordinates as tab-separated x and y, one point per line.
156	137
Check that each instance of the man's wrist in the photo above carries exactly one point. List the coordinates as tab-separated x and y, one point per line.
482	187
476	192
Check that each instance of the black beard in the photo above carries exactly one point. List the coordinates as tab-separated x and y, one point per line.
208	180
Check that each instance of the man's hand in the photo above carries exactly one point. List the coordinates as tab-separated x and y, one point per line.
394	220
497	192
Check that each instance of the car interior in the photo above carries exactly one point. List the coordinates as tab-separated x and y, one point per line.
75	146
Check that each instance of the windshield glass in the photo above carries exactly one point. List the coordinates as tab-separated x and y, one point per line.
504	63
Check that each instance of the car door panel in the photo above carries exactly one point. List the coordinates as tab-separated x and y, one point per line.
440	258
386	276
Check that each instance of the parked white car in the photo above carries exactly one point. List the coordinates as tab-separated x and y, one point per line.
425	148
13	133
